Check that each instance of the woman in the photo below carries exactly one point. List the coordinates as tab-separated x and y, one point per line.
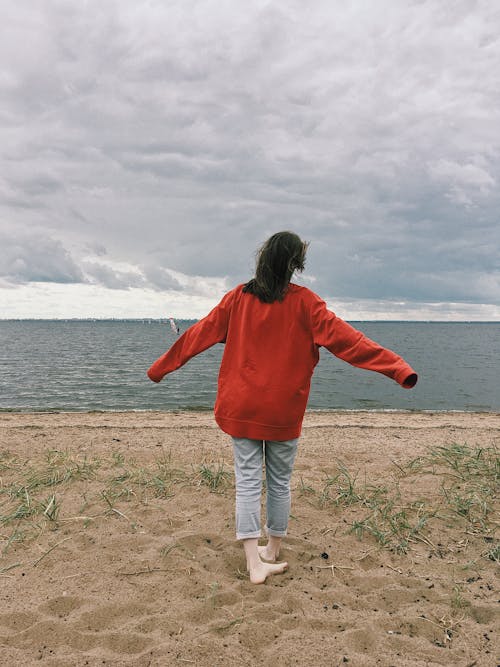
272	330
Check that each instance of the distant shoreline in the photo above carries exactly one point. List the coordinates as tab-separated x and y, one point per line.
165	320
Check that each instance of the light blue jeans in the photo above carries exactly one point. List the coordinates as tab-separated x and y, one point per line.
278	456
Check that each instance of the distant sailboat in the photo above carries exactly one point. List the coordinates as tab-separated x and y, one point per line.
173	325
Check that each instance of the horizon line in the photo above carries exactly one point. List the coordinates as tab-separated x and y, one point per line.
197	319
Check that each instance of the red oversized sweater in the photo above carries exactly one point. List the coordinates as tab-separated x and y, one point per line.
270	353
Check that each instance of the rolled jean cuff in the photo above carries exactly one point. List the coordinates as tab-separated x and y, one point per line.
248	536
276	533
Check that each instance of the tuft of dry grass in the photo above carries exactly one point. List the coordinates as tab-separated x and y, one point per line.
26	509
464	481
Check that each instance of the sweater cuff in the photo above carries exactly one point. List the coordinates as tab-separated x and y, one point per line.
408	379
154	376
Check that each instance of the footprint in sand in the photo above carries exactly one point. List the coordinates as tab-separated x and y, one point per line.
111	617
61	606
18	621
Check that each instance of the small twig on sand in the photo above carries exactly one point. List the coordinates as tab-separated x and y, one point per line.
51	549
9	567
166	550
332	568
365	555
81	518
400	468
424	539
307	532
149	570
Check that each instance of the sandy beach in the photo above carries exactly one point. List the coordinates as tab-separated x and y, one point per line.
117	544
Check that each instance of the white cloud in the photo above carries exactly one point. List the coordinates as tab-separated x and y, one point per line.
62	301
41	300
464	181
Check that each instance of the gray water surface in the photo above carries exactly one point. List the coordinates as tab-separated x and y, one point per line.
101	365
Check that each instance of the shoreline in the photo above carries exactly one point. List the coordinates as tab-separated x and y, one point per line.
344	434
311	417
204	411
449	423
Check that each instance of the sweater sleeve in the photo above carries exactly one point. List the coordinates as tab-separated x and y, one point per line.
210	330
349	344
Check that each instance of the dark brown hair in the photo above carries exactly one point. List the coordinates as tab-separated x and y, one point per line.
277	259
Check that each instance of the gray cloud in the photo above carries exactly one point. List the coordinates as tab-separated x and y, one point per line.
179	135
36	258
160	279
95	272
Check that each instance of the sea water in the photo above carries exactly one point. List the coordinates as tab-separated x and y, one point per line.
101	365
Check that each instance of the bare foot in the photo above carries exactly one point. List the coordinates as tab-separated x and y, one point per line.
266	554
260	572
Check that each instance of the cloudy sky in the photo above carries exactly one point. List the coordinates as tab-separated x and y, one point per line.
147	148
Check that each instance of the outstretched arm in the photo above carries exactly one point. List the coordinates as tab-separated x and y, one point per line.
349	344
210	330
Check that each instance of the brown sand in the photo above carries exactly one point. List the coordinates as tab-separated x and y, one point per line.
134	561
